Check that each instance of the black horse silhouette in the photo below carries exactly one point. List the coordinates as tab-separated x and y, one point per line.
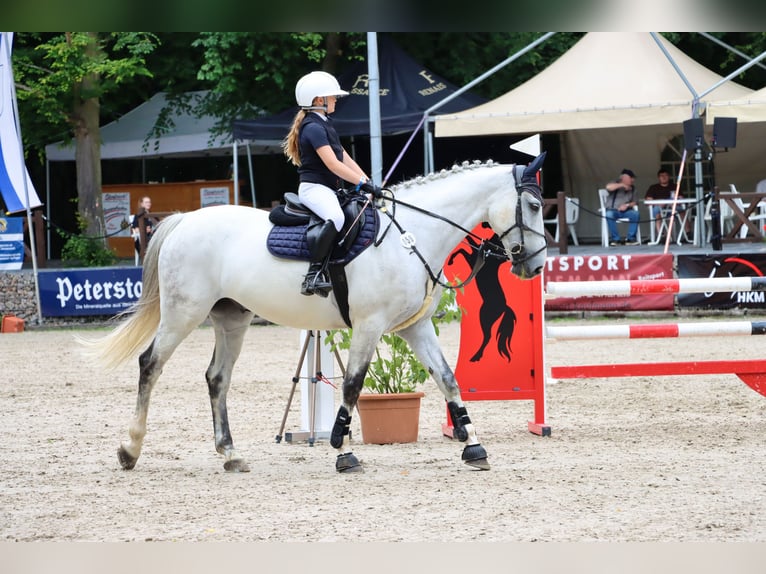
494	306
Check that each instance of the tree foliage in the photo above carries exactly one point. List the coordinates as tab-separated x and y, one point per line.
254	73
63	79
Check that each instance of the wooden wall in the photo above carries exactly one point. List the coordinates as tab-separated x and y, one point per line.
177	196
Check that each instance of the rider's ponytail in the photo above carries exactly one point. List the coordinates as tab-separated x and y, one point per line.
290	143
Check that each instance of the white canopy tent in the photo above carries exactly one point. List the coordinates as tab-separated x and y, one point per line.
750	109
617	99
128	137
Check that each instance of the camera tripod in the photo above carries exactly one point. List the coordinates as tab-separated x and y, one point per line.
310	435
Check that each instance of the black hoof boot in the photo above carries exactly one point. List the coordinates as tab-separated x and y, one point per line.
474	455
348	463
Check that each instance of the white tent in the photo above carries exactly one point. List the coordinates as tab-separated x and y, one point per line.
750	109
128	137
617	99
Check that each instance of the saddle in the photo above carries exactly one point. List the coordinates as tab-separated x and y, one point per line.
293	220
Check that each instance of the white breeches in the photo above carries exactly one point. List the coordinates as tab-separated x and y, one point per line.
322	200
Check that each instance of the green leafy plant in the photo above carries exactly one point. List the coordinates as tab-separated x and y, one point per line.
80	250
394	367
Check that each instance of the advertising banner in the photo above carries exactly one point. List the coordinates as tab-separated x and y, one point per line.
11	243
97	291
117	214
209	196
721	265
615	267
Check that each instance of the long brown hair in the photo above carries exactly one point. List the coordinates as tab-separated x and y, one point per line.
290	143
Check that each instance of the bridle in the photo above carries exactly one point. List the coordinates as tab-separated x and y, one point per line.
486	248
529	185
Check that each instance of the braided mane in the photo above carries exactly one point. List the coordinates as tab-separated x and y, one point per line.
456	168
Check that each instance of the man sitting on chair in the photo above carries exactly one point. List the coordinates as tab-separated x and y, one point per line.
620	204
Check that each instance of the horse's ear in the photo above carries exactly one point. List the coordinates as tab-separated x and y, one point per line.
530	172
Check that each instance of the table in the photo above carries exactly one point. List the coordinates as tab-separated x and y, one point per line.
681	218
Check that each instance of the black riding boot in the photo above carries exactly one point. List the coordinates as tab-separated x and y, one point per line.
320	241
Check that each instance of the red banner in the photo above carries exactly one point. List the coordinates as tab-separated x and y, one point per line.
610	267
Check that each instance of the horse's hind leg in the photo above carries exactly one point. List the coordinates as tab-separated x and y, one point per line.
424	343
148	373
230	321
150	364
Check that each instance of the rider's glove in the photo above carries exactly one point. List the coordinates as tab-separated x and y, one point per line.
369	187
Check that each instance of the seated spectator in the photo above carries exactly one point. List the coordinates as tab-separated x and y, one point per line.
621	203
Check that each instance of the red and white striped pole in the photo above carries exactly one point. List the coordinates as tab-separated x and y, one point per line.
627	287
656	330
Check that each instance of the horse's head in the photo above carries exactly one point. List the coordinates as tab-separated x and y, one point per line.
521	227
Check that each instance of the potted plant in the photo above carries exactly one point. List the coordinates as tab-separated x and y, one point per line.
389	411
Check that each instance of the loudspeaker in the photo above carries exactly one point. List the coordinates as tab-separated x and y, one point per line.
725	132
693	134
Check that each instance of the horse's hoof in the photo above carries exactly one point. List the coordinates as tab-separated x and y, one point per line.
127	461
476	456
236	465
348	463
480	463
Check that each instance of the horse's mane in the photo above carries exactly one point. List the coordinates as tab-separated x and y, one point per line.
433	176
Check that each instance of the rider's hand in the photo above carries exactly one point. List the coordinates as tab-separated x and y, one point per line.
369	187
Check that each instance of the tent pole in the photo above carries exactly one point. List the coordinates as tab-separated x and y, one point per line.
235	173
430	147
376	149
730	48
47	207
491	71
735	73
250	171
471	84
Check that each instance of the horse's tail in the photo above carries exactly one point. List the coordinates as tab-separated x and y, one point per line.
143	318
504	333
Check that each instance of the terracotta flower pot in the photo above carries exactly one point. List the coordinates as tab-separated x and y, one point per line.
389	418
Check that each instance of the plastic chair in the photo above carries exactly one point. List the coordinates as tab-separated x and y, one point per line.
572	216
759	216
602	195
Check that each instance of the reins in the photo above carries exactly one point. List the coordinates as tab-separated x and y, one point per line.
485	248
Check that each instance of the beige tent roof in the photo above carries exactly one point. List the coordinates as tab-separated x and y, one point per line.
607	79
751	108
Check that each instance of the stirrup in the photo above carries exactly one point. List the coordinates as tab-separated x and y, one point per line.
316	284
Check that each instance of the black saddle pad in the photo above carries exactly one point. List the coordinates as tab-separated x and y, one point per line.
289	242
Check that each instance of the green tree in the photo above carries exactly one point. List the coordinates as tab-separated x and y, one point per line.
253	73
63	79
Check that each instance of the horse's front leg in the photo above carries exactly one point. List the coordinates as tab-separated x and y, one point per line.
423	340
359	356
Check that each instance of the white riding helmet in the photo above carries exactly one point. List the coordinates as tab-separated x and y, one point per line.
316	85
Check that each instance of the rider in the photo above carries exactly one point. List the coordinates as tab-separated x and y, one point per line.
314	146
